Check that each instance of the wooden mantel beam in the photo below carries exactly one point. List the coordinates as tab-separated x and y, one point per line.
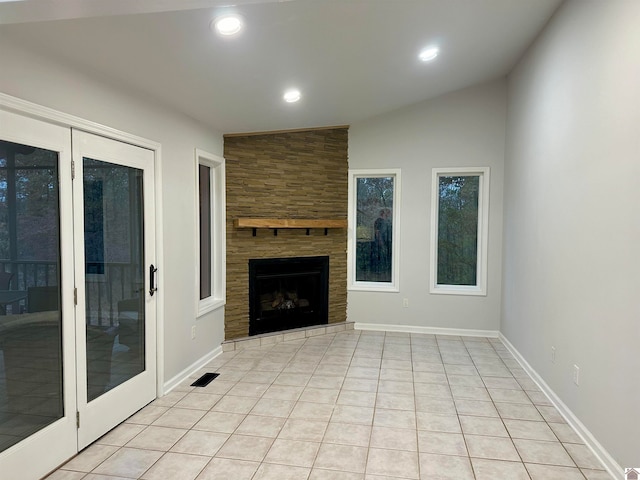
289	223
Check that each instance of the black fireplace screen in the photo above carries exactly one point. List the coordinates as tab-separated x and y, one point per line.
286	293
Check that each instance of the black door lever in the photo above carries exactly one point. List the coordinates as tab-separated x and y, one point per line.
152	279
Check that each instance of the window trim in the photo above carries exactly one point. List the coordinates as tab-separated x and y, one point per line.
480	289
352	283
217	196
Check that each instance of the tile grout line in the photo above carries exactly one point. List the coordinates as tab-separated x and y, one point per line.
373	416
466	446
500	415
576	466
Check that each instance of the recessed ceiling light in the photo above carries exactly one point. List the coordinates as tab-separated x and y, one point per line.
227	25
429	54
291	96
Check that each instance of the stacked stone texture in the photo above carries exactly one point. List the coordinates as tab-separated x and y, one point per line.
301	174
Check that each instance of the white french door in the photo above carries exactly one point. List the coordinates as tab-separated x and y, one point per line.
115	318
37	330
77	310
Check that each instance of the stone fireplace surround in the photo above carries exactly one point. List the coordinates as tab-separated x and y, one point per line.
288	175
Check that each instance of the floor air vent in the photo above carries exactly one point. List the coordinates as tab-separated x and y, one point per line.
205	380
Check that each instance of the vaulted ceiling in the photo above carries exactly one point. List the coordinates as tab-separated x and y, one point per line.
351	59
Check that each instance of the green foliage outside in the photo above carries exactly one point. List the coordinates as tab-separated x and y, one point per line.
30	177
458	230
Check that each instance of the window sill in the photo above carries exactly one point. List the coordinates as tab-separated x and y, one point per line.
209	305
458	290
373	287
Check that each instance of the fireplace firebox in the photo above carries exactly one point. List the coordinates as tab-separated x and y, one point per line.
286	293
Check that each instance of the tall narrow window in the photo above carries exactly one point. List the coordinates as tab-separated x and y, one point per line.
374	218
211	231
459	226
205	231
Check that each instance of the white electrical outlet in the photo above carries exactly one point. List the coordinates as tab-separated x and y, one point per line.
193	332
576	374
405	302
553	354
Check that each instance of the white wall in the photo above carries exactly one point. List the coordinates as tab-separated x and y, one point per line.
465	128
572	224
42	80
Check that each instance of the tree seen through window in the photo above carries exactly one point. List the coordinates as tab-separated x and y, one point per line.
458	230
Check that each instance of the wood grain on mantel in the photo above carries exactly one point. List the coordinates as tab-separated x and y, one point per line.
289	223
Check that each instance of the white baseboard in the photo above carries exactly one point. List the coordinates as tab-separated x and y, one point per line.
615	470
191	369
462	332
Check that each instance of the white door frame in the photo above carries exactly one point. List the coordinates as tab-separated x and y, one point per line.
48	115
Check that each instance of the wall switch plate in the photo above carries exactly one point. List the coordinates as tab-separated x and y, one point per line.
405	302
576	374
193	332
553	354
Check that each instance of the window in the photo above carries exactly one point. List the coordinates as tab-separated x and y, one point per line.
374	217
204	185
459	226
211	232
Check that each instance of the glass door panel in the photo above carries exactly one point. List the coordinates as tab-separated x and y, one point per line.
114	274
31	393
115	322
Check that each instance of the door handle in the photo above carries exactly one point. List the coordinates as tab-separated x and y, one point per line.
152	279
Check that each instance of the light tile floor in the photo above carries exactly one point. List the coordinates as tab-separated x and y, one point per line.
355	405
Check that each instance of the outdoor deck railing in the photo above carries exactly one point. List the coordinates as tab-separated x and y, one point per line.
120	281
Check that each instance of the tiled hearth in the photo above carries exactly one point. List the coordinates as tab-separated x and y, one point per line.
286	336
